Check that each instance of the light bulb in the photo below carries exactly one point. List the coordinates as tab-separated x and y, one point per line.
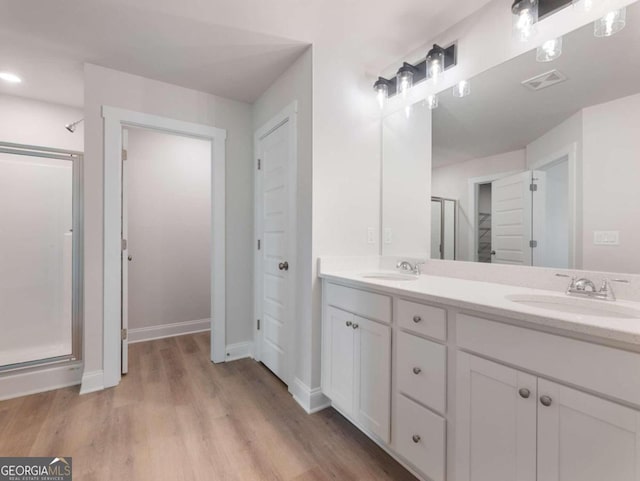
381	88
550	50
611	23
405	82
462	89
432	101
525	17
435	63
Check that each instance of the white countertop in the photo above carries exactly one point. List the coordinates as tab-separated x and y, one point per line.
491	298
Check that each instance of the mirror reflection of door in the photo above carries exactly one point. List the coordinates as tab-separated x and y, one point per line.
443	228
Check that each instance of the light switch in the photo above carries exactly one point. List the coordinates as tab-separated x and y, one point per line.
371	235
388	236
606	238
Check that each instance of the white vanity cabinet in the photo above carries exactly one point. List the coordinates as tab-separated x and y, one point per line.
456	395
514	426
357	363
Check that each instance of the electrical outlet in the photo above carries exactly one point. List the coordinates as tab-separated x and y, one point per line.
606	238
371	235
388	236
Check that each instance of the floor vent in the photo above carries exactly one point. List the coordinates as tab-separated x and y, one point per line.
545	80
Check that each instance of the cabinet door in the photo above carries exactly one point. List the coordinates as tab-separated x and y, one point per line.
584	438
341	359
495	422
373	377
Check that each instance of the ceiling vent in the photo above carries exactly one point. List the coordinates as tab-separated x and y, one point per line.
545	80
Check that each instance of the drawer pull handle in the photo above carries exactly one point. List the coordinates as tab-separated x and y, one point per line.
416	438
545	401
348	323
524	393
417	319
417	370
355	326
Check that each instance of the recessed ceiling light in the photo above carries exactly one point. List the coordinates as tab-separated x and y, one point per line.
10	77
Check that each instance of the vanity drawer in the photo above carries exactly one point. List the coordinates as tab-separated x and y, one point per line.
421	370
420	437
607	370
422	319
366	304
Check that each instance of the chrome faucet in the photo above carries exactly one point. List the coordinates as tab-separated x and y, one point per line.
408	267
584	287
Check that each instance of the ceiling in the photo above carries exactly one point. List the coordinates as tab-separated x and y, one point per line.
501	115
235	49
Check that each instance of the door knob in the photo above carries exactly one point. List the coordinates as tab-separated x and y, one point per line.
129	258
417	370
416	438
524	393
545	401
283	266
493	253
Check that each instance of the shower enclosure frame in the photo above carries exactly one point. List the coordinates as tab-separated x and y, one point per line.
76	159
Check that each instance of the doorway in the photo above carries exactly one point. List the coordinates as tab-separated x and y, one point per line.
275	260
444	220
166	221
116	121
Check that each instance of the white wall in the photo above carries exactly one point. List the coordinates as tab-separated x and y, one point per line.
33	122
611	170
169	239
296	85
452	182
117	89
406	147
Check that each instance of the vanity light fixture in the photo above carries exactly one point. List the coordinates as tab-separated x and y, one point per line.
525	17
462	89
611	23
549	50
432	101
10	77
435	63
405	78
381	86
409	75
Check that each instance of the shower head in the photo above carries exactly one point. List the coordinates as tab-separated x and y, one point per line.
72	126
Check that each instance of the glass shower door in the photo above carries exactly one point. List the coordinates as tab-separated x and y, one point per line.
36	258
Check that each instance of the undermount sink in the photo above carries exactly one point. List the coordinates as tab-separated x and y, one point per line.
389	276
572	305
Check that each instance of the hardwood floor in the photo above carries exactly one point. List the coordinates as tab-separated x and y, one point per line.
177	416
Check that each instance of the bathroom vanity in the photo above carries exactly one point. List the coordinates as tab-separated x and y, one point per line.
463	380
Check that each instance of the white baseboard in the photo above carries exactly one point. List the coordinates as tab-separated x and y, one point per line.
38	380
150	333
92	382
311	400
239	350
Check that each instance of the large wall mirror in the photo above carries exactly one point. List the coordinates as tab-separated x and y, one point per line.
540	164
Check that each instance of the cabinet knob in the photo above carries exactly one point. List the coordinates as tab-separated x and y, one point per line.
348	323
283	266
545	401
416	438
355	326
524	393
417	370
417	319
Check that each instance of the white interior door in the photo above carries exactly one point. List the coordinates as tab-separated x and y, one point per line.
584	438
511	213
276	216
125	258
